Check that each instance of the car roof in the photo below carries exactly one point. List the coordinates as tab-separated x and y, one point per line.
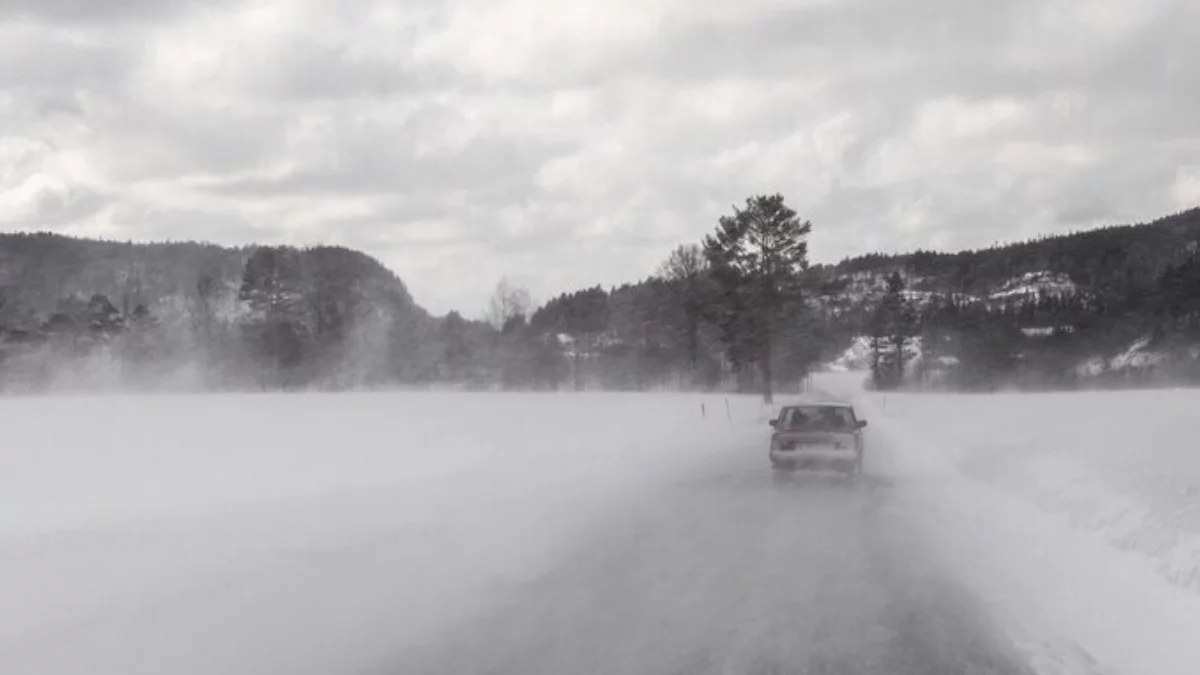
815	404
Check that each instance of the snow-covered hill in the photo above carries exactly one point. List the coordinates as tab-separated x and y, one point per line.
1033	285
868	286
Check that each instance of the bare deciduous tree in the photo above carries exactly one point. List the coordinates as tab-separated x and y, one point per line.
508	302
686	269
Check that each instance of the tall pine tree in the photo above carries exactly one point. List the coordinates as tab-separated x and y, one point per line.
758	257
893	329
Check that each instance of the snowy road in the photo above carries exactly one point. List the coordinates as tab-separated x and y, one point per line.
396	533
726	572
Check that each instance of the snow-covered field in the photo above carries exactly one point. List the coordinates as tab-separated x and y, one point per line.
308	533
329	533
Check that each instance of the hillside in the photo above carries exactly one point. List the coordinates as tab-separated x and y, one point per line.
1118	305
46	268
86	313
1096	261
1114	306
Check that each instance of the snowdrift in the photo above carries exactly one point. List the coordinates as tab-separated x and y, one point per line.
1120	465
1076	516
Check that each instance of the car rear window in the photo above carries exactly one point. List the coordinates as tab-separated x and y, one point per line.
824	417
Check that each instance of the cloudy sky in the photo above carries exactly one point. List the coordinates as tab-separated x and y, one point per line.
565	143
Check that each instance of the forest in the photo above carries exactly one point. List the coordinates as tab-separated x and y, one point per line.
740	310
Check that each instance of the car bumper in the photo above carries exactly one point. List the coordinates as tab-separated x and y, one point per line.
837	460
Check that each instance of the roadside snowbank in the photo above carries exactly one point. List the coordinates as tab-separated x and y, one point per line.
1121	465
1076	516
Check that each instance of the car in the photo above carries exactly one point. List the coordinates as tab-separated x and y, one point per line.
817	435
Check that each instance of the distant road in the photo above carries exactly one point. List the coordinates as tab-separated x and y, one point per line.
729	572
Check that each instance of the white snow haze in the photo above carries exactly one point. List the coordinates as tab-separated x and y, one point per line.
300	533
372	532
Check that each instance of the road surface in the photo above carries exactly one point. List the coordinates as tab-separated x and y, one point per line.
728	571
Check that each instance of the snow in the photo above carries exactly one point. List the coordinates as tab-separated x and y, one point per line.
329	533
1076	516
1092	367
1028	286
856	357
302	533
918	298
1120	466
1137	355
1033	284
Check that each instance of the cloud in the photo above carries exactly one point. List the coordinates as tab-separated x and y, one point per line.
94	11
570	144
41	59
1186	188
44	202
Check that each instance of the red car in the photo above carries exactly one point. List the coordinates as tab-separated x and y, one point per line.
821	435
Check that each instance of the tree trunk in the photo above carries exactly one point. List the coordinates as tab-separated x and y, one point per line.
693	343
877	362
693	351
767	373
899	343
578	363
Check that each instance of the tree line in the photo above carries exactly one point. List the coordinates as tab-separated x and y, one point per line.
1133	333
731	311
724	312
740	309
324	317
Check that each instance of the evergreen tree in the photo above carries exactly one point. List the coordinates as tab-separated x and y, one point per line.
459	353
892	331
758	256
17	319
275	330
204	314
989	353
104	320
584	317
140	343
